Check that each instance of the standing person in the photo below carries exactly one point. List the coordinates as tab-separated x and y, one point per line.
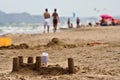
55	19
113	23
47	20
78	22
68	22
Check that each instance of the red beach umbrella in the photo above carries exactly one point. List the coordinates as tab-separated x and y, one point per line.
106	16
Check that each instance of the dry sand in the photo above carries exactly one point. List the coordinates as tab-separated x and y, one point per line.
95	50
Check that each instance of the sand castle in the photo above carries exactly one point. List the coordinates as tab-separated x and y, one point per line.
18	64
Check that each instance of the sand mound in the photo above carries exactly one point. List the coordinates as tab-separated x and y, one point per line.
56	42
50	70
56	70
20	46
53	70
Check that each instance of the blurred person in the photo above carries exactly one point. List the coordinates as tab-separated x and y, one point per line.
46	20
68	22
55	20
78	22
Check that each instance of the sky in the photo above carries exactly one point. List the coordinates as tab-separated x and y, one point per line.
82	8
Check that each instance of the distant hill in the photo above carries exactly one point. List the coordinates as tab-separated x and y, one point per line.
28	18
19	18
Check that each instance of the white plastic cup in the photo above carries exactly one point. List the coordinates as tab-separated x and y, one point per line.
44	58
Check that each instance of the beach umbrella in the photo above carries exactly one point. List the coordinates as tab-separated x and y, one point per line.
106	16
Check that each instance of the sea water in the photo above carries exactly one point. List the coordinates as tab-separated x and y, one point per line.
24	29
35	28
21	29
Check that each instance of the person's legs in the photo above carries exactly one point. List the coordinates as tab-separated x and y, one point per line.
55	28
48	28
77	24
48	25
45	24
44	28
55	25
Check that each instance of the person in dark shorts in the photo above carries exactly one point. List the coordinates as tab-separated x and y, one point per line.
68	22
113	23
78	22
55	19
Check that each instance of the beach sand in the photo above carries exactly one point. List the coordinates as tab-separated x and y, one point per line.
95	50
